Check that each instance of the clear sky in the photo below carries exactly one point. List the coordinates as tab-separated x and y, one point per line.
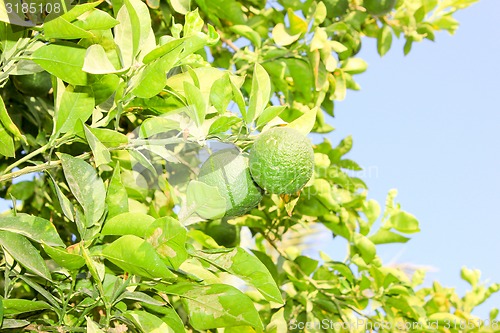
428	124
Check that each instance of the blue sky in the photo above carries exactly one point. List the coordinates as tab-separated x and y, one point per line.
428	124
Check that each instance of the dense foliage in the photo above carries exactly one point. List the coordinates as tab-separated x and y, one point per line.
100	151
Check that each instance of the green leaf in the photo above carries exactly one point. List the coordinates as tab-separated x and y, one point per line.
147	322
133	30
248	33
109	138
217	305
404	222
168	47
60	28
24	253
100	152
196	197
247	267
64	258
96	19
221	93
66	206
139	296
7	147
472	276
7	122
92	326
193	23
168	237
269	114
63	61
297	24
260	94
128	223
223	124
408	45
384	236
36	228
116	196
86	186
22	190
340	85
278	324
153	78
14	323
97	62
239	100
282	36
384	40
74	107
180	6
371	209
305	123
354	66
196	103
12	306
136	256
365	247
446	22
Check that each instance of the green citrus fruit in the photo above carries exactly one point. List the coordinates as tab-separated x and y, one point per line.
228	170
223	233
336	8
281	160
379	7
37	84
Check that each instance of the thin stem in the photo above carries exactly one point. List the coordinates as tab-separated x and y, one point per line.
26	158
228	42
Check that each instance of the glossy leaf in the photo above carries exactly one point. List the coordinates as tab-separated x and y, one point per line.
384	236
64	258
247	267
97	62
269	114
148	322
24	253
153	78
86	186
12	306
168	237
100	152
6	143
128	224
116	195
384	40
196	104
404	222
136	256
365	246
261	92
36	228
60	28
221	93
64	61
223	124
305	123
7	122
205	200
74	107
217	305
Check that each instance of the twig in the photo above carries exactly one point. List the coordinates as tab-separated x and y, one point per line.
228	42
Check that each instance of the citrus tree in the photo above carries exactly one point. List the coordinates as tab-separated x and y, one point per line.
161	178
